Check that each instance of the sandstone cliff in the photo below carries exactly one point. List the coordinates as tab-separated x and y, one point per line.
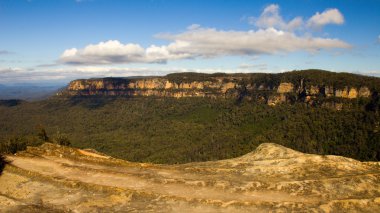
219	86
159	86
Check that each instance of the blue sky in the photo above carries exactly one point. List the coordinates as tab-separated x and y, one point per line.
60	40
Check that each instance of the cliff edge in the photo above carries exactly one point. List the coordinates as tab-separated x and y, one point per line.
303	86
271	178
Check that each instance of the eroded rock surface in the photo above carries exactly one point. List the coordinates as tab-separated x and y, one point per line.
214	87
271	178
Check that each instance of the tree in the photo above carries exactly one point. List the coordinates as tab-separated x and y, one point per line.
12	145
41	133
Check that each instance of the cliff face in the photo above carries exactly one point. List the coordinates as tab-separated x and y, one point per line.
226	86
149	87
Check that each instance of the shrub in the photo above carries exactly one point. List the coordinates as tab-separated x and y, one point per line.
12	145
41	133
61	139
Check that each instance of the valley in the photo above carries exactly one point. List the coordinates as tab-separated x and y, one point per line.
165	129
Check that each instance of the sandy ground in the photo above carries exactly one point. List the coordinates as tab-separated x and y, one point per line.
51	178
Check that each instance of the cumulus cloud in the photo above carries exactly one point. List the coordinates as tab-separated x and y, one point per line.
200	42
209	42
274	35
329	16
113	51
271	18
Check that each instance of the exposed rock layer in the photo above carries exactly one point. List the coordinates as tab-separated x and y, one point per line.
272	178
225	86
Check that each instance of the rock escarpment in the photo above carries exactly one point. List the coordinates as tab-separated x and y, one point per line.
270	88
159	86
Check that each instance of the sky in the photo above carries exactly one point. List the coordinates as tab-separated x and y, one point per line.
55	41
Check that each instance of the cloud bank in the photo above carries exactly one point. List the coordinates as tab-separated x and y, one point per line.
273	35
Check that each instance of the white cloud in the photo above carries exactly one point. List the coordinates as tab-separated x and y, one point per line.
378	39
273	36
193	26
209	42
105	52
200	42
271	18
295	23
329	16
113	51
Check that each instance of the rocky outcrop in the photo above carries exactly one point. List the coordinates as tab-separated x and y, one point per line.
226	86
353	93
285	88
159	86
276	99
329	91
346	93
364	92
341	93
272	178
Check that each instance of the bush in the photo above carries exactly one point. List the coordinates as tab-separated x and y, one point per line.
41	133
61	139
12	145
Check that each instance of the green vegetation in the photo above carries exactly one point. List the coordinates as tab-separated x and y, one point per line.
61	139
13	144
188	77
310	77
168	130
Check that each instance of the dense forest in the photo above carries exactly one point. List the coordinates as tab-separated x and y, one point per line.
169	130
309	77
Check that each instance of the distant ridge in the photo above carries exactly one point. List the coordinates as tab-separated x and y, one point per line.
309	86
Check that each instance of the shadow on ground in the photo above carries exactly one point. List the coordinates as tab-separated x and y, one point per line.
3	162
